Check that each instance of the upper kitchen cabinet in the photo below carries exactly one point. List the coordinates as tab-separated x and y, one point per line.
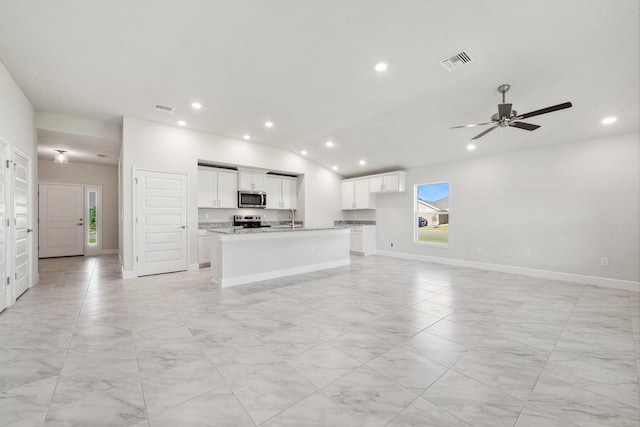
282	192
355	194
252	180
387	183
217	188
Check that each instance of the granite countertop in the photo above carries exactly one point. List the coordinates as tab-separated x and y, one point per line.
240	230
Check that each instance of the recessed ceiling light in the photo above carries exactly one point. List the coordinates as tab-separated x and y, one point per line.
381	67
329	144
182	123
304	152
268	124
471	147
609	120
335	168
196	105
247	137
362	162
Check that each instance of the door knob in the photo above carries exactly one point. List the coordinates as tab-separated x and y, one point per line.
29	230
79	223
183	226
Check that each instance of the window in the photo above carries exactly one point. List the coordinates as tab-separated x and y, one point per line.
92	206
432	214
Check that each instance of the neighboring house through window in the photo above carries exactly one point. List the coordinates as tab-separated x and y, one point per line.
432	213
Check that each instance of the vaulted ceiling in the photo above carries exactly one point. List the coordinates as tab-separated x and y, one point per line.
308	67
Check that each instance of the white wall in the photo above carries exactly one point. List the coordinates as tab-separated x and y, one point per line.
151	145
90	174
17	128
569	205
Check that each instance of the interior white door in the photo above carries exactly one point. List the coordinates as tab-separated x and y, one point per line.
21	215
61	213
161	222
4	194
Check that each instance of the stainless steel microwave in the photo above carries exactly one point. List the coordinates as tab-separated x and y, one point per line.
252	199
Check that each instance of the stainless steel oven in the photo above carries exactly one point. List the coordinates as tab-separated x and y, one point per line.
252	199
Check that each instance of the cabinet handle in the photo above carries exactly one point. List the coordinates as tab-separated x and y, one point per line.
218	205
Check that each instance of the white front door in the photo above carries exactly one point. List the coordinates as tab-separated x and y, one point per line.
22	230
4	225
160	222
61	212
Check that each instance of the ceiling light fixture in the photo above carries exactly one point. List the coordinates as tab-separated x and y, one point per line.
268	124
362	163
196	105
381	67
471	147
329	144
304	152
182	123
247	137
335	168
609	120
60	157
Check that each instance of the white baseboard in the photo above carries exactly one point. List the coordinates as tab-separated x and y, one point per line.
128	274
628	285
194	267
241	280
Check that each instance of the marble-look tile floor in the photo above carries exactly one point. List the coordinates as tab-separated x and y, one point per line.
381	342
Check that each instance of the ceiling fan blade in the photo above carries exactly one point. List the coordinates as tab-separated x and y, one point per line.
504	110
480	135
473	125
545	110
523	125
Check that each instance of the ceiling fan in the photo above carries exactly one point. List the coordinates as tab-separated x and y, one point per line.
508	117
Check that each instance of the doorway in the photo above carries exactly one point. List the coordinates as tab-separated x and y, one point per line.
22	245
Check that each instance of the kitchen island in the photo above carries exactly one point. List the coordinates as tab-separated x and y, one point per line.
245	255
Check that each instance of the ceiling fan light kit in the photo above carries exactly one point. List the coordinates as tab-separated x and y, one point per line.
508	117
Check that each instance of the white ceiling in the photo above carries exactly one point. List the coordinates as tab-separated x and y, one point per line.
308	66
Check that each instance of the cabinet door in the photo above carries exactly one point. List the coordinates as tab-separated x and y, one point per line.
361	191
227	190
259	181
204	249
391	183
246	181
355	240
206	192
289	193
375	184
347	194
273	187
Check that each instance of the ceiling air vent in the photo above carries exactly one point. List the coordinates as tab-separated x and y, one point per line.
163	108
455	61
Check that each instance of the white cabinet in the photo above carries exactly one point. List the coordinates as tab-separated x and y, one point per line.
252	180
355	195
392	182
282	192
204	247
217	188
363	240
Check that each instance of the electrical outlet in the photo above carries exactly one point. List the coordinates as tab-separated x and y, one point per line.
509	253
604	262
527	254
391	244
478	251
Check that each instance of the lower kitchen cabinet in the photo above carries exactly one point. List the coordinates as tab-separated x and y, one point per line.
204	248
363	240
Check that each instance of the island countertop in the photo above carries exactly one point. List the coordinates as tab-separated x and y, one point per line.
260	230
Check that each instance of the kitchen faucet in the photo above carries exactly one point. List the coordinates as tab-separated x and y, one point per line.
293	218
